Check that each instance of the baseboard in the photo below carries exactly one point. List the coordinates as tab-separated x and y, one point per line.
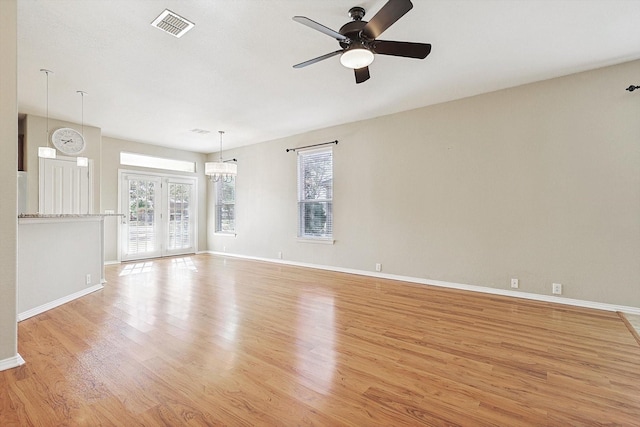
112	262
55	303
11	362
451	285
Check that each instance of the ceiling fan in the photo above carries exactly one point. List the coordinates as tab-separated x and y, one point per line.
358	38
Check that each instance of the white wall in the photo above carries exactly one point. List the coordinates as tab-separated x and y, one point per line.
47	274
8	178
538	182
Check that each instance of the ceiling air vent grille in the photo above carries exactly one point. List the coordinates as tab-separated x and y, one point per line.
200	131
172	23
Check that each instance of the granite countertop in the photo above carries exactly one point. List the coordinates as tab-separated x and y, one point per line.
39	215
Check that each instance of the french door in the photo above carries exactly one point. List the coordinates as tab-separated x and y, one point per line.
160	216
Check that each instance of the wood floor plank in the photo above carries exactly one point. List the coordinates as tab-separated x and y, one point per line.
205	340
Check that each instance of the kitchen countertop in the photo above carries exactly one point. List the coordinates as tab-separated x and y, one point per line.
38	215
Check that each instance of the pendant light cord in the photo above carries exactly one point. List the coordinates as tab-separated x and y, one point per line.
221	132
47	130
82	93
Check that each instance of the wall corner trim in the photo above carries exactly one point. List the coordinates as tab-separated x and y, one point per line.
11	362
451	285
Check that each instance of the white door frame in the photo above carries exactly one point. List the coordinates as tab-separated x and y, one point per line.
164	232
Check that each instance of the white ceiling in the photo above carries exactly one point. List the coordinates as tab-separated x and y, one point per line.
234	72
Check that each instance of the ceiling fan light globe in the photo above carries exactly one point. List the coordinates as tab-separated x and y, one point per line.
356	58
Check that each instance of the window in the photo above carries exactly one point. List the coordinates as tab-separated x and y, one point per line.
131	159
226	206
315	194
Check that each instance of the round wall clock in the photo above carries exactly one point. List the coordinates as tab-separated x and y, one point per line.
68	141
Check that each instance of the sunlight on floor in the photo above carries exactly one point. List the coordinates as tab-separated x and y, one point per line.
137	268
184	263
146	267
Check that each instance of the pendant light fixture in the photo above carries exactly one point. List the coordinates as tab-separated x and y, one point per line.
82	161
47	152
220	170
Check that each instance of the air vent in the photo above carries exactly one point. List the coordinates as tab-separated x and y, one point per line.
200	131
172	23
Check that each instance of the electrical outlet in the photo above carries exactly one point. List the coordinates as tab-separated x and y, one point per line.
557	289
279	255
224	249
378	266
514	283
88	279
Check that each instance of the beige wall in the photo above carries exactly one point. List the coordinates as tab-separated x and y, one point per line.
36	135
8	177
538	182
111	149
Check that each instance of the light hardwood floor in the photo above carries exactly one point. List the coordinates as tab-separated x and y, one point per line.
204	340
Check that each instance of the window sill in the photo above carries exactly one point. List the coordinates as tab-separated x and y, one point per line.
225	234
321	241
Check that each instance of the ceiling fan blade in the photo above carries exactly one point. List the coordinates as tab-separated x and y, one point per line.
405	49
319	27
318	59
362	74
390	13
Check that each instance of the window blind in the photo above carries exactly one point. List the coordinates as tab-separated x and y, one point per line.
226	206
315	193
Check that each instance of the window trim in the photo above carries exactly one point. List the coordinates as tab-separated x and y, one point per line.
307	238
218	186
140	160
317	240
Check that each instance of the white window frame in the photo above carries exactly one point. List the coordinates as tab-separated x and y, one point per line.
219	203
302	201
153	162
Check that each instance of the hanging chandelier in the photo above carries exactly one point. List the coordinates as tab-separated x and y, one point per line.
220	170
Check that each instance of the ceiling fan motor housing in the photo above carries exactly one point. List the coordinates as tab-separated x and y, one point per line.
356	13
353	31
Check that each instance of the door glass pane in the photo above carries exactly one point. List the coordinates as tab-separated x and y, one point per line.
179	216
142	225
